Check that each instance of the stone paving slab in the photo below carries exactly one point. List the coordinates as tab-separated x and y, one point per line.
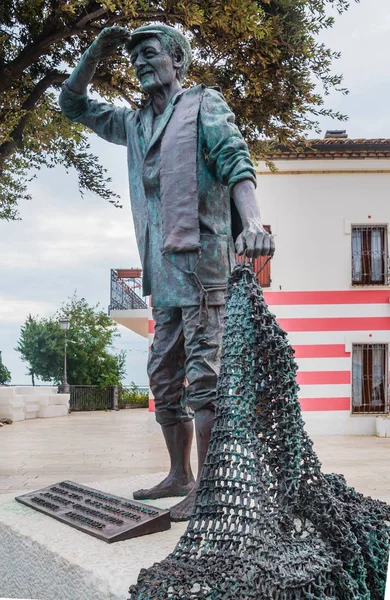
89	446
83	446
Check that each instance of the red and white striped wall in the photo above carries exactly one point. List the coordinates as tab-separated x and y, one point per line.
151	336
322	326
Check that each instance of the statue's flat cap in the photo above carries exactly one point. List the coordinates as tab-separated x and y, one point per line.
155	29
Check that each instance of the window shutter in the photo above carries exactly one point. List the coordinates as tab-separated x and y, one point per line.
369	255
369	376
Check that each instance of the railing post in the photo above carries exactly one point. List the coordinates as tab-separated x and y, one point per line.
72	391
115	397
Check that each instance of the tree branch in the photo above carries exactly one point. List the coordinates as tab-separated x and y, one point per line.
90	17
6	148
34	50
141	16
105	81
54	78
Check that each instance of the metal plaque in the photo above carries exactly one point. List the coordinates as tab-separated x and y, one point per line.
105	516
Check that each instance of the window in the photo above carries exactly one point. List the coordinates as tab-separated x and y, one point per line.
369	255
369	378
263	278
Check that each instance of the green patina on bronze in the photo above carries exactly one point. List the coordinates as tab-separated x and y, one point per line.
215	148
267	523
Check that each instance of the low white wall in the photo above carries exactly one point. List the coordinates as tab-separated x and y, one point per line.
338	422
327	422
30	402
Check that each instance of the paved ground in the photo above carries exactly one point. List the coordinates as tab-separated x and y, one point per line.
92	446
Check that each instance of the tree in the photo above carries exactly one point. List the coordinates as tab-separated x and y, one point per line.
5	375
90	337
264	54
41	345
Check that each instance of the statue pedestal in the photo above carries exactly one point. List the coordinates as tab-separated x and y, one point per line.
41	558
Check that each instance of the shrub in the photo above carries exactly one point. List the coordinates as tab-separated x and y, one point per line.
133	397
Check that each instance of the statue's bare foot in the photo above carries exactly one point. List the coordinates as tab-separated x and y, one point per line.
183	510
169	487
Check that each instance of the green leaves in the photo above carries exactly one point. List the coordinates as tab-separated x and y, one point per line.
91	334
89	346
41	345
132	396
5	375
266	56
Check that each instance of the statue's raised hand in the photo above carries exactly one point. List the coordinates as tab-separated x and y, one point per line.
108	42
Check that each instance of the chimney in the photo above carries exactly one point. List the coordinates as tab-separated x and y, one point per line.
336	134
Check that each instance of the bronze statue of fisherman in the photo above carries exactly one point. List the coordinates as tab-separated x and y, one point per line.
192	184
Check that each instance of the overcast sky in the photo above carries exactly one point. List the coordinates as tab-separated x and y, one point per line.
65	243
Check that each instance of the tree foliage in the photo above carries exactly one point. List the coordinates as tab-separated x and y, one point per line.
90	360
264	54
5	375
41	345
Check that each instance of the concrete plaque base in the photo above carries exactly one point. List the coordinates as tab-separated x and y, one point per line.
43	559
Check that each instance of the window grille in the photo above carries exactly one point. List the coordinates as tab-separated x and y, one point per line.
369	379
264	278
370	263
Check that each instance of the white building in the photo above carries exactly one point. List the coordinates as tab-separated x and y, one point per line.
328	284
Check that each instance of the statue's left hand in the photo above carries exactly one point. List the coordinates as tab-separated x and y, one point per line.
255	240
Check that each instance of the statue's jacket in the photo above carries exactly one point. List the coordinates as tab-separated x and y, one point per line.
182	166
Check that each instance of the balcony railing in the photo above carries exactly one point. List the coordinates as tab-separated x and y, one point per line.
126	286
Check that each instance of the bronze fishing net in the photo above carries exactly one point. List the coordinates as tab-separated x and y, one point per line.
268	524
